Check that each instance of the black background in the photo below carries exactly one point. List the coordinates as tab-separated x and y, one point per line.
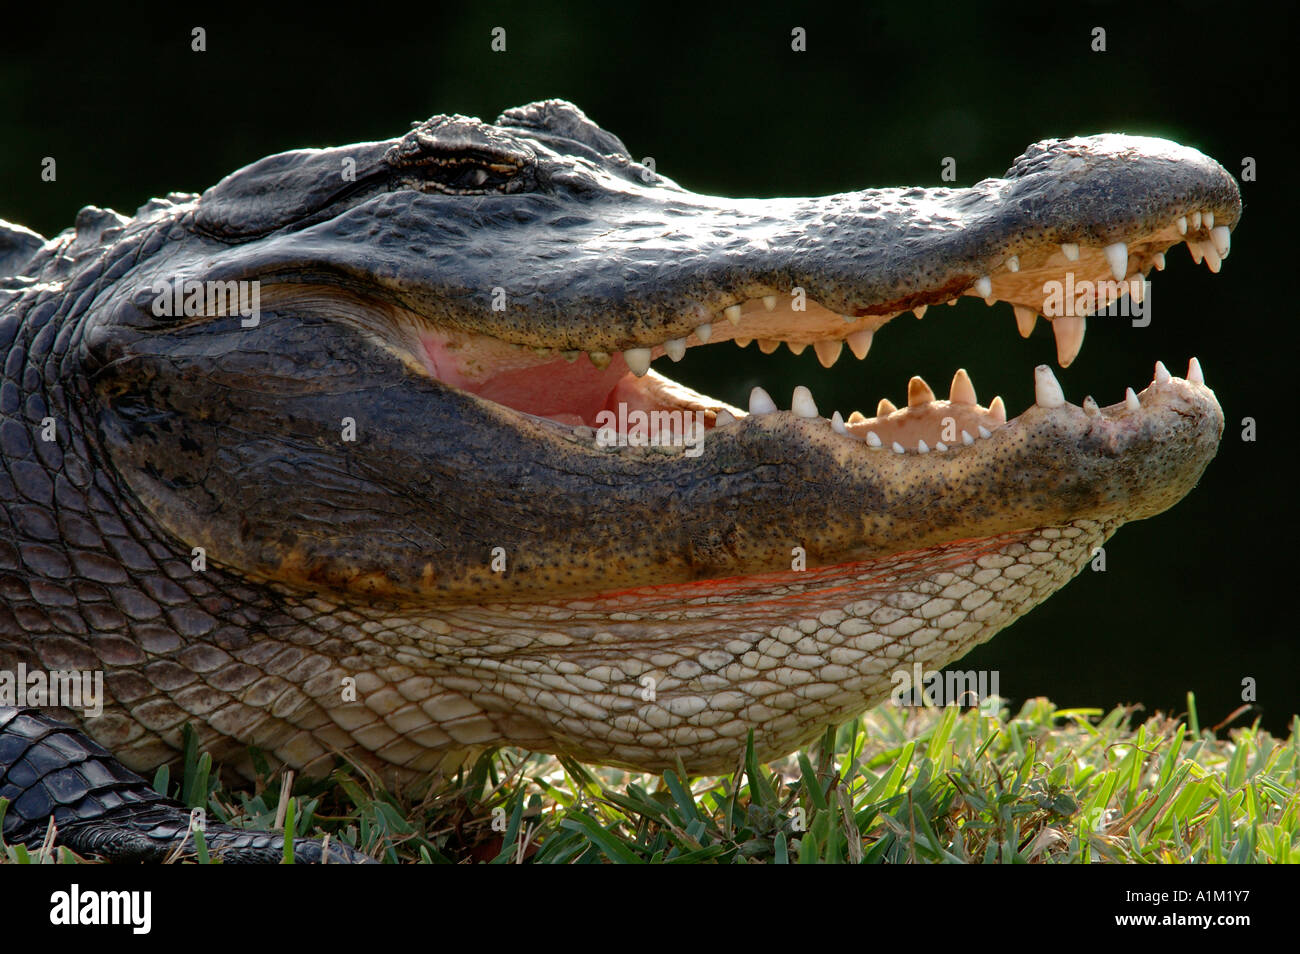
1195	599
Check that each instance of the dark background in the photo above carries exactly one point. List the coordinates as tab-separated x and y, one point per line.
1195	599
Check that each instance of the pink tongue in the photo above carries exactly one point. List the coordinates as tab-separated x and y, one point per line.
567	391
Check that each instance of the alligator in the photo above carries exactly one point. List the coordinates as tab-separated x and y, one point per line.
361	453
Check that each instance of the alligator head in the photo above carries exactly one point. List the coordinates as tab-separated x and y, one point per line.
426	456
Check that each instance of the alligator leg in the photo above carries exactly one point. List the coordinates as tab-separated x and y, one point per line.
101	808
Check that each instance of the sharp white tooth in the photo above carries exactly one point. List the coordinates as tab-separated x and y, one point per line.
1025	319
1207	219
919	310
1194	372
742	342
760	402
859	343
675	348
1047	390
1159	260
966	438
704	332
1090	406
733	314
828	351
802	403
873	439
983	287
1196	220
768	345
898	448
1181	224
848	319
918	392
723	417
1070	250
1013	263
1069	338
1195	249
769	302
796	348
1117	256
952	301
1221	235
638	359
998	411
857	417
1162	373
884	407
837	424
599	359
940	446
922	447
962	390
1212	260
1131	400
984	431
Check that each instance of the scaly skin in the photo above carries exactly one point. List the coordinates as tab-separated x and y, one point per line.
647	611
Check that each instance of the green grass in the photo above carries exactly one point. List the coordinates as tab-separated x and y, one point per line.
1045	785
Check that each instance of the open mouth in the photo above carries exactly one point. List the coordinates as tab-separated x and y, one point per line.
1064	282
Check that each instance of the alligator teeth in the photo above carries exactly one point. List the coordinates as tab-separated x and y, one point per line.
675	348
1069	338
802	403
704	332
599	359
898	448
1207	219
1013	263
952	301
984	432
983	287
723	417
1047	390
1025	319
570	356
768	345
1117	256
922	447
1221	235
1158	259
873	439
857	417
1131	400
918	392
1090	406
1181	222
919	310
1194	372
849	319
967	439
760	402
859	343
796	348
962	390
742	342
828	351
1195	249
1070	250
638	359
1212	259
1162	373
1196	220
885	407
998	410
837	424
732	313
769	302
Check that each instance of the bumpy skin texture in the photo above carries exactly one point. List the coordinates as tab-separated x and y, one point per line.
128	440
